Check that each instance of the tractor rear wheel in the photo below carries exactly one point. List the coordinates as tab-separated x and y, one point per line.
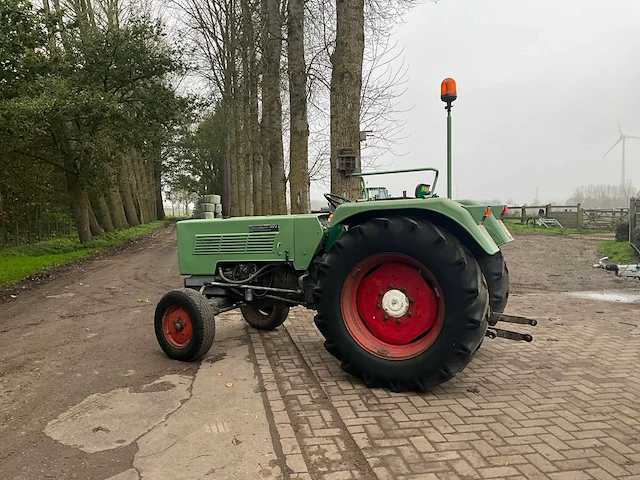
265	318
496	273
401	303
184	324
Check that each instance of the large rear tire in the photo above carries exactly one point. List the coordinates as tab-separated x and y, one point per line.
496	273
184	324
266	318
401	303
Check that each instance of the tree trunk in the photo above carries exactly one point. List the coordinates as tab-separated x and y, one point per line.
138	187
160	213
151	191
299	127
127	195
114	200
116	208
272	45
248	185
247	48
157	185
258	190
237	173
346	86
239	159
104	217
267	204
253	123
140	167
267	199
79	207
225	185
234	186
96	230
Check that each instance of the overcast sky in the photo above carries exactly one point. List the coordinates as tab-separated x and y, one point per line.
541	87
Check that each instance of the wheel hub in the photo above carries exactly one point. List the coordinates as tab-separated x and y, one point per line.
395	303
177	327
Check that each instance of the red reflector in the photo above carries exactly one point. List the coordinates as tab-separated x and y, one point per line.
487	212
505	210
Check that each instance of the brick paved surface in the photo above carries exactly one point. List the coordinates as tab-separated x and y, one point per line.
566	406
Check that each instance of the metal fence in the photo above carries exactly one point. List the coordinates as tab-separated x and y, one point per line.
572	216
634	224
30	230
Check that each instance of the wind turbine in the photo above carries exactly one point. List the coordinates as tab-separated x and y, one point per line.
623	139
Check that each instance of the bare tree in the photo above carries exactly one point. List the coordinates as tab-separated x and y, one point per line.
272	103
382	83
603	196
346	85
336	81
299	126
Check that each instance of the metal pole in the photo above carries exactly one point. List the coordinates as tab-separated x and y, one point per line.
448	150
623	162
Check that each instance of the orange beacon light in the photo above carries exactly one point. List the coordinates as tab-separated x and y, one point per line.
448	92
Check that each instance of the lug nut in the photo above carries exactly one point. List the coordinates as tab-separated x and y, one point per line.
411	300
378	305
398	320
380	293
409	314
386	317
391	286
403	289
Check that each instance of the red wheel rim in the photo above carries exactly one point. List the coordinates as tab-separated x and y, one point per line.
177	327
392	306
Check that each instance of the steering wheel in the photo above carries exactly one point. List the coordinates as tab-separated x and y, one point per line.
335	200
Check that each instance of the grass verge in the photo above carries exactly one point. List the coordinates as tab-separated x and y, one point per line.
517	227
618	252
17	263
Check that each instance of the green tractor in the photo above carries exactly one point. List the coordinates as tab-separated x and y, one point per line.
404	289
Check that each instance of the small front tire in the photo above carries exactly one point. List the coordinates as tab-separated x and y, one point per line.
184	324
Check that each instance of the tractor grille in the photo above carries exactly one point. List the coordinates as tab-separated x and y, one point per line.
234	243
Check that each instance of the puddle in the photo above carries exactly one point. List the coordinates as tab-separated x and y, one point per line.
620	297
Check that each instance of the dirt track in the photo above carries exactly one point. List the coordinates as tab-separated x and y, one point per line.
83	333
90	331
559	263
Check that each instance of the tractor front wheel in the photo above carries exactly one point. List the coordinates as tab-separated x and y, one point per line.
401	303
184	324
264	318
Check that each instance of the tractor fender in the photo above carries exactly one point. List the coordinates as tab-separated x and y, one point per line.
491	223
443	212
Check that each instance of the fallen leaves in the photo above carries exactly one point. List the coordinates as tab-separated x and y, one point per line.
219	374
235	441
229	384
143	300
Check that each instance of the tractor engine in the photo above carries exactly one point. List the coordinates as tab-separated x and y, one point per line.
261	284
